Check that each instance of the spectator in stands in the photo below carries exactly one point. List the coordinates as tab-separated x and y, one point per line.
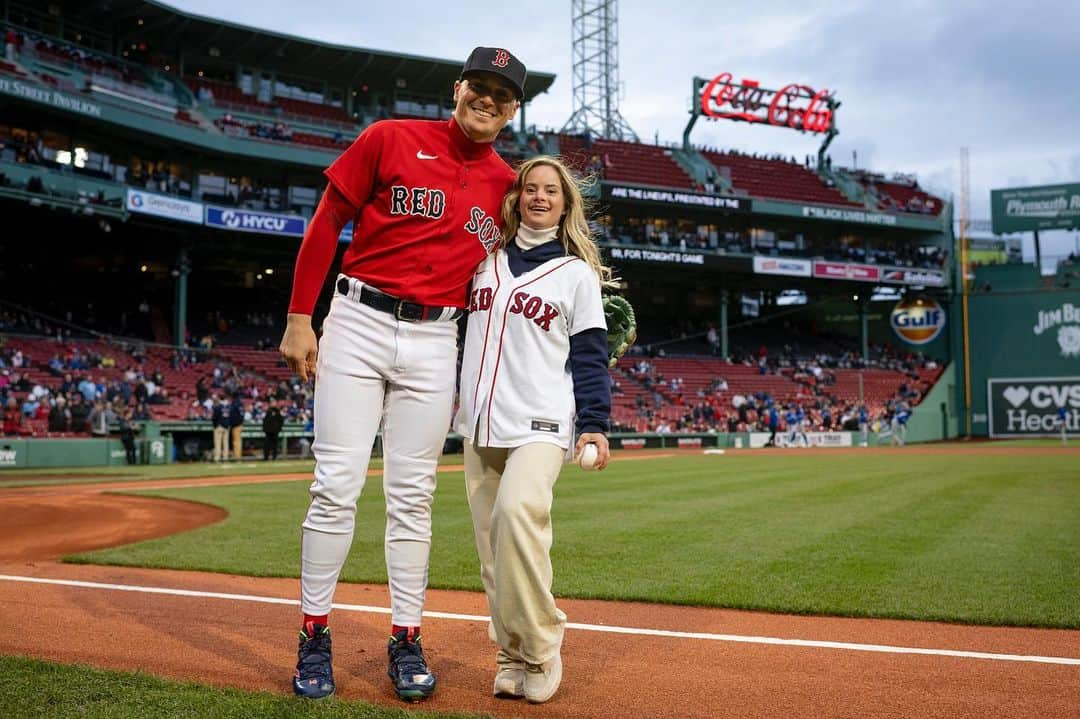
14	423
195	412
101	417
59	416
30	406
11	41
713	339
271	424
87	389
220	421
79	412
236	426
141	412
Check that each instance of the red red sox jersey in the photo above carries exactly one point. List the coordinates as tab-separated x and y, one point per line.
516	385
428	202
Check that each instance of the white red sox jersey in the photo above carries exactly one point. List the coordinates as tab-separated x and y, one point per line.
516	384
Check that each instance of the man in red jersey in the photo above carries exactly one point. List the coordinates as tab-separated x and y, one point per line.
424	198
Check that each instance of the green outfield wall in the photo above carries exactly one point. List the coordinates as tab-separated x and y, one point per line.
937	417
1024	350
31	453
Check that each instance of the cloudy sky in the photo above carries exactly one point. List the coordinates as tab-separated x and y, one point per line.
918	80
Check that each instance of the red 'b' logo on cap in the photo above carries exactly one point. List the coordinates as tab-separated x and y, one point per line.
502	59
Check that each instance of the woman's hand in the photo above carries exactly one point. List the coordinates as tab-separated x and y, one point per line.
603	453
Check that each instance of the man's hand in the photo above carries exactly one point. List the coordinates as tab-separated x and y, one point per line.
603	452
299	346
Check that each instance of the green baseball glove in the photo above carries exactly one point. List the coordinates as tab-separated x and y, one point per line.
621	327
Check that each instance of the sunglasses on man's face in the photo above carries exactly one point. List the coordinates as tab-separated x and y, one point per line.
499	94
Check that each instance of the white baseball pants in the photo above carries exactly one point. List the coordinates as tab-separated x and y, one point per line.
510	496
372	369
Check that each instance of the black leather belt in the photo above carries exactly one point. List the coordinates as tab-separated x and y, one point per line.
405	311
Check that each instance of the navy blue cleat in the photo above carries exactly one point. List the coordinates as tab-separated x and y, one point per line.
314	677
408	671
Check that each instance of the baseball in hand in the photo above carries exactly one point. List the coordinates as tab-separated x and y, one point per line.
588	456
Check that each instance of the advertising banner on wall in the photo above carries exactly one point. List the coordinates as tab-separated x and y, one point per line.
917	320
675	198
1029	407
1062	323
782	266
814	439
1045	207
847	271
267	223
912	276
171	208
794	105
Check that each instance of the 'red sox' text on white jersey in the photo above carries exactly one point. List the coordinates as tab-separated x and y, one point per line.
515	385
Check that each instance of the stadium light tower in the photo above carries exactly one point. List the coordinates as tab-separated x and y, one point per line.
595	48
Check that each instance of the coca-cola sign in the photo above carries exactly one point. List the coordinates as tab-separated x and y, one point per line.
796	106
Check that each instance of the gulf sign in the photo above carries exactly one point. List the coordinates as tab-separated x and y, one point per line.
917	320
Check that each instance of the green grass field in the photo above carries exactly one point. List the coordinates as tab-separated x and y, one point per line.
44	690
89	475
982	539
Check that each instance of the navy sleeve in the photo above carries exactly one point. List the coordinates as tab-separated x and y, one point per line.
592	383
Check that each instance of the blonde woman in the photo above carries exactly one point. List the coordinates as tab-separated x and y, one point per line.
534	375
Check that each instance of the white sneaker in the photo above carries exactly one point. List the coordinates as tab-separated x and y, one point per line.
510	683
542	680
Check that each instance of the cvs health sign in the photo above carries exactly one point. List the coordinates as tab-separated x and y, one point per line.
1029	407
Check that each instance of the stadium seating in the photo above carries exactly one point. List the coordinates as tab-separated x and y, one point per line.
899	196
625	161
699	373
227	96
775	179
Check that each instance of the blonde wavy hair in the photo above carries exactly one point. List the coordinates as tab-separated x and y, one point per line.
574	232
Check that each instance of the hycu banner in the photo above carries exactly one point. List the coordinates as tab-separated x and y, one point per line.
1028	407
917	320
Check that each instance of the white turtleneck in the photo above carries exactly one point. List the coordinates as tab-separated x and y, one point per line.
528	238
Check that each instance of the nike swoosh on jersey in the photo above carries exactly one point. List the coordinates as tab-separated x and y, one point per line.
421	156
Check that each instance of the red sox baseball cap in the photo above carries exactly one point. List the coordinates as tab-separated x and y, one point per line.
500	62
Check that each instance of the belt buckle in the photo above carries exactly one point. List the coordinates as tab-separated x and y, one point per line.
400	306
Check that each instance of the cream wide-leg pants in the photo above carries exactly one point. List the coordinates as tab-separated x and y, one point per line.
372	369
510	496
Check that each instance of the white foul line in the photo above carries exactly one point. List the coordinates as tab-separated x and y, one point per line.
884	648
